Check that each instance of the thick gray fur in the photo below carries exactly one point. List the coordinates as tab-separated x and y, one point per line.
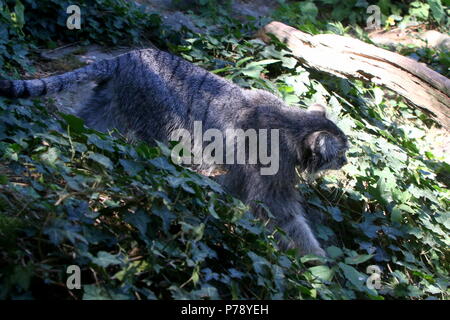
146	94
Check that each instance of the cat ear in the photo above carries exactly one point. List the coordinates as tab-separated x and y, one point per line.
317	109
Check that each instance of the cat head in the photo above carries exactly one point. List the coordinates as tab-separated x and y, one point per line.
324	146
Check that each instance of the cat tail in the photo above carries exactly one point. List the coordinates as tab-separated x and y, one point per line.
40	87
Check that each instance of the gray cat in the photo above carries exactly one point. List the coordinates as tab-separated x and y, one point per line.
147	94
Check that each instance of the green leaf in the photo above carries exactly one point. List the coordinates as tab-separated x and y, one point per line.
139	220
336	213
334	252
163	163
100	143
419	10
354	276
289	62
242	61
264	62
22	276
252	71
166	216
396	214
358	259
75	124
105	259
437	10
19	13
101	159
212	211
94	292
3	179
324	273
308	10
258	262
50	156
131	167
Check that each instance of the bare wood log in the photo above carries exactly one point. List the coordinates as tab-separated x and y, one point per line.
350	58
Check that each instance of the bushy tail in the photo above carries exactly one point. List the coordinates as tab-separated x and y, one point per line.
40	87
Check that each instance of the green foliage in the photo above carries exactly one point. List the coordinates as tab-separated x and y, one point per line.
437	10
136	224
141	227
102	21
303	14
108	22
13	47
435	59
203	6
394	193
431	9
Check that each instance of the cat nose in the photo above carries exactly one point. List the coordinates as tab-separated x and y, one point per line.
344	161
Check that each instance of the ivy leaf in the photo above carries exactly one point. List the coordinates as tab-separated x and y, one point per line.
254	69
354	276
139	220
322	272
3	179
334	252
131	167
50	156
358	259
396	214
76	124
163	163
19	13
166	216
258	262
437	10
100	143
289	62
336	214
105	259
101	159
94	292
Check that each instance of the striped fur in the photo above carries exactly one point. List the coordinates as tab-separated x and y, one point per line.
55	84
146	94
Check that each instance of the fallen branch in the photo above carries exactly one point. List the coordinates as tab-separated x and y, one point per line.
350	58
